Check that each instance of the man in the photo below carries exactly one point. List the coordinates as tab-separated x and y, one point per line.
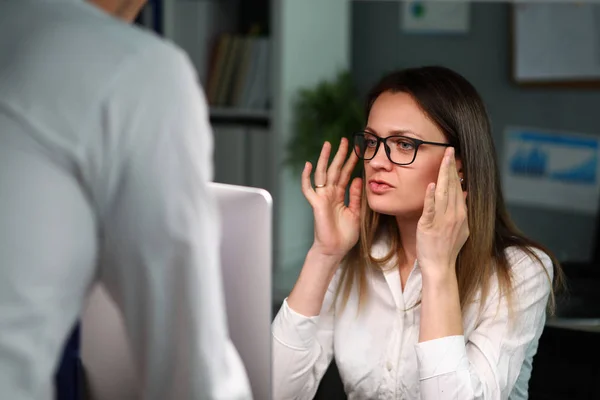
105	155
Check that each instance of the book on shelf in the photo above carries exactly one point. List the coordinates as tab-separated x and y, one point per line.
239	72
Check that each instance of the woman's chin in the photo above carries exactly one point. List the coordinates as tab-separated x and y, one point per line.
391	208
383	207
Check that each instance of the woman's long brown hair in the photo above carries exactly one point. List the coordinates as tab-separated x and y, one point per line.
452	103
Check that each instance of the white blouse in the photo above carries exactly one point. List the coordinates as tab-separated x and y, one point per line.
378	354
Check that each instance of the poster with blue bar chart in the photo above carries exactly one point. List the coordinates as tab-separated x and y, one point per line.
553	170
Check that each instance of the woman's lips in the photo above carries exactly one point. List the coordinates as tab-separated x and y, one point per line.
379	187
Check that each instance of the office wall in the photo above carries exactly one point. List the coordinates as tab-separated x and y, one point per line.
482	56
312	45
309	44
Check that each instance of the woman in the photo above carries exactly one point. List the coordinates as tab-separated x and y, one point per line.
437	294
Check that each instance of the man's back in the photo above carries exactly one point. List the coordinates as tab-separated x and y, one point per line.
105	150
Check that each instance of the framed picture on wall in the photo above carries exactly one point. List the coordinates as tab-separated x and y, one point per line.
555	44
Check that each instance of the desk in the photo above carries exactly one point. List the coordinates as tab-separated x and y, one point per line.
576	324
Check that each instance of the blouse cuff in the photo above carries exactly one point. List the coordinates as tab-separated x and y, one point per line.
294	330
442	356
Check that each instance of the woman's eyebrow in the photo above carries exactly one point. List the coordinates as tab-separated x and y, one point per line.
395	132
371	131
405	132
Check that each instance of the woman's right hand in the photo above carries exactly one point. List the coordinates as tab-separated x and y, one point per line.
337	226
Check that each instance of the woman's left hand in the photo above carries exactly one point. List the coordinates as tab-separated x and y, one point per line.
443	227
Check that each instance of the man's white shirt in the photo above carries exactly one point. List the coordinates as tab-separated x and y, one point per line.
105	153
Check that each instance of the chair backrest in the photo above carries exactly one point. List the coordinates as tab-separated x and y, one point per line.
105	351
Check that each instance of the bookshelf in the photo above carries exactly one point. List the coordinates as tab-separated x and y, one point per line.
307	41
240	116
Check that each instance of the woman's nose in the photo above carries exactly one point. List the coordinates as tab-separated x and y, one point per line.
381	160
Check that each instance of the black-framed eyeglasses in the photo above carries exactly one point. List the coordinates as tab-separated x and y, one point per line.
400	150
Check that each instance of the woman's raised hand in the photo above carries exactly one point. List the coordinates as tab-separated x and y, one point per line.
443	228
337	226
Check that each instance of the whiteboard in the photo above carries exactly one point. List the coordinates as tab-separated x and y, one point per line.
556	42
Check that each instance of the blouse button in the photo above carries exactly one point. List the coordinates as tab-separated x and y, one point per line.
389	366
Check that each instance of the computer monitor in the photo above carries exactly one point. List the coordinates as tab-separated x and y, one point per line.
246	259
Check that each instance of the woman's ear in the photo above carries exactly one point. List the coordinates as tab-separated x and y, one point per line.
459	168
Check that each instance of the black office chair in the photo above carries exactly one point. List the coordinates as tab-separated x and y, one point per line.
566	366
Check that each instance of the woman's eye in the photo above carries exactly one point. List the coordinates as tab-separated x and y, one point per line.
371	142
405	145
